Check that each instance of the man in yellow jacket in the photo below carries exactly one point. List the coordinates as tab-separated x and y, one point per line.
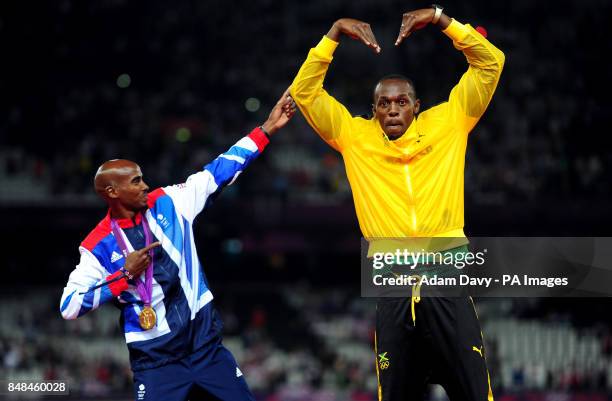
406	175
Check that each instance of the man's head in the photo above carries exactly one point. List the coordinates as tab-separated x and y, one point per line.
120	183
395	104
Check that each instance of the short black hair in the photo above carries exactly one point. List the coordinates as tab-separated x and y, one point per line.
394	77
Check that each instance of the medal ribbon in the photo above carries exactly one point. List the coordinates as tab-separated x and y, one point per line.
145	289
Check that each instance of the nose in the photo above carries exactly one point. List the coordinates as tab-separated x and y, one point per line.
145	187
394	109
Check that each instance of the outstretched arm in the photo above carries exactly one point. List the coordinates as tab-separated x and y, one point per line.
201	188
328	117
469	99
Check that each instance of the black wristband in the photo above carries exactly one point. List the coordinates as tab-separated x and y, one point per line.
127	274
266	133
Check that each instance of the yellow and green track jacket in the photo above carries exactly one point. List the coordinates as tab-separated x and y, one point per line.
412	186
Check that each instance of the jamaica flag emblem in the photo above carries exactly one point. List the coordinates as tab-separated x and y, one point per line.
383	361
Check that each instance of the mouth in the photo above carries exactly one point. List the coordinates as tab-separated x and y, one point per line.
393	123
394	126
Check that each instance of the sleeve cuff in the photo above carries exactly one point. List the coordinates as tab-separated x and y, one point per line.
456	30
260	139
326	47
118	286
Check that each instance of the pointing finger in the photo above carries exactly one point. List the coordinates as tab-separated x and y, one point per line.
150	246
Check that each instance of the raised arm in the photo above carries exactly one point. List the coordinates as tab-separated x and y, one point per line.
201	188
328	117
469	99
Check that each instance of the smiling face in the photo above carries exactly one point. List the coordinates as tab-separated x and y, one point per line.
130	188
395	105
120	181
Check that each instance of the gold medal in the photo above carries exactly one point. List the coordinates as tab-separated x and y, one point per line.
147	318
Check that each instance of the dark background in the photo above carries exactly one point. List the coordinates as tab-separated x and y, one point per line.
538	163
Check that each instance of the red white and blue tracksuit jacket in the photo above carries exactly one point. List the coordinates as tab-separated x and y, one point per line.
186	318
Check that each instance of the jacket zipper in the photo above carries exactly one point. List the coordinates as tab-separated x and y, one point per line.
178	313
412	206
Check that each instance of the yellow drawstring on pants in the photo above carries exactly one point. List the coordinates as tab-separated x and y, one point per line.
415	297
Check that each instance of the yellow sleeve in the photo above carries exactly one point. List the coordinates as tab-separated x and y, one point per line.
328	117
469	99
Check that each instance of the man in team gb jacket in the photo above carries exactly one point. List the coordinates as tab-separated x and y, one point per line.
142	257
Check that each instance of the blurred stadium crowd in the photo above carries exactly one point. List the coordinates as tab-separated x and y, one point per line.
171	87
301	343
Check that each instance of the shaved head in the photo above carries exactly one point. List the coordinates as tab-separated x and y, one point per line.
111	172
394	77
120	183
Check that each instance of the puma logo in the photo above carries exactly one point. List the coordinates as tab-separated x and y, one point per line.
479	350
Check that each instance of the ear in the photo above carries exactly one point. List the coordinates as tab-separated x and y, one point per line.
110	192
373	110
417	106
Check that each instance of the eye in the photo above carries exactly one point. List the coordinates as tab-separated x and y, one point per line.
383	103
403	102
